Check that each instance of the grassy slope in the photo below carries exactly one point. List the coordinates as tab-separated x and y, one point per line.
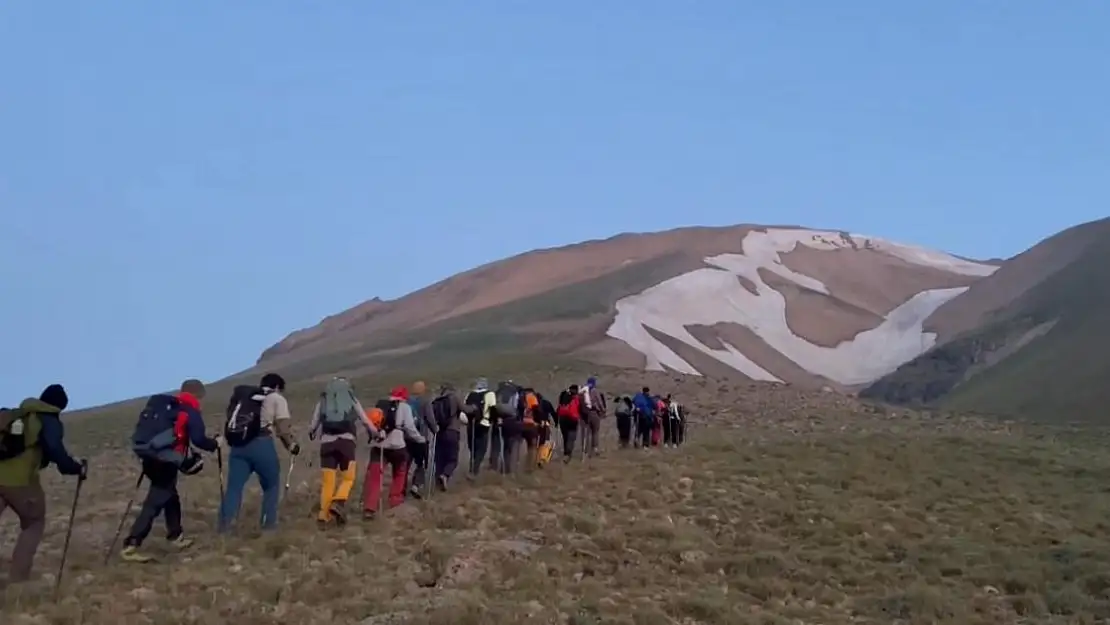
790	508
1059	376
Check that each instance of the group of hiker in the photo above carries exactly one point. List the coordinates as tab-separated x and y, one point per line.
414	435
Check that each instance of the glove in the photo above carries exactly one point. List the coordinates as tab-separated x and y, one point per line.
295	449
84	475
462	418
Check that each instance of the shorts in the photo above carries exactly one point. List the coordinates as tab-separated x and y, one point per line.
337	454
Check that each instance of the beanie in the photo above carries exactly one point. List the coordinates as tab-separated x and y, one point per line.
55	395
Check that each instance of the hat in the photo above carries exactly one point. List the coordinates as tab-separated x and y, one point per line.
591	382
400	393
55	395
481	384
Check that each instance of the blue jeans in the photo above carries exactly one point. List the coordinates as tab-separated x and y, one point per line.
258	457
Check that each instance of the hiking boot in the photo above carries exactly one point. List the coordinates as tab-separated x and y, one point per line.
321	524
180	542
442	481
369	515
338	514
131	553
415	492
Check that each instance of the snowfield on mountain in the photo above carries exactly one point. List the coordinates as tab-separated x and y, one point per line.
711	296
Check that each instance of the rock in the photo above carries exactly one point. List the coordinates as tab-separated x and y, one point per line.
693	556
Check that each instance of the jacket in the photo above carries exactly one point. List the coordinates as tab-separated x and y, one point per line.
189	428
422	414
644	405
592	400
482	408
43	425
275	417
404	432
456	407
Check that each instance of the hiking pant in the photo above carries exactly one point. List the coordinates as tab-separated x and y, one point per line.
669	428
624	428
447	452
479	444
258	457
593	421
418	462
337	462
680	431
29	504
398	461
569	428
643	430
495	447
161	499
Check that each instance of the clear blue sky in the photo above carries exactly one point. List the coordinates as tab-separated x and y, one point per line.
183	183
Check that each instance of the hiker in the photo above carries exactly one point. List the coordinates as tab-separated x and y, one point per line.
169	427
679	425
593	411
508	427
624	420
547	422
673	422
657	423
569	414
644	409
396	427
254	416
32	438
481	400
335	419
532	419
420	453
450	416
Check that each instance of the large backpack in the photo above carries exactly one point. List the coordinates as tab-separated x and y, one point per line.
338	408
441	411
568	406
155	435
244	415
508	400
389	414
14	433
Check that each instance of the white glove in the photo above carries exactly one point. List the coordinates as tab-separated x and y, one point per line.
462	418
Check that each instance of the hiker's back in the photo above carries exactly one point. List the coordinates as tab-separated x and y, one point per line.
338	408
20	452
156	435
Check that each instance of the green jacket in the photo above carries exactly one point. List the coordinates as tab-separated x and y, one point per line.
23	470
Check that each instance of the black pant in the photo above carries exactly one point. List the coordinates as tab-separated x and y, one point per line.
479	445
495	449
161	498
447	452
418	462
670	430
624	428
569	428
644	426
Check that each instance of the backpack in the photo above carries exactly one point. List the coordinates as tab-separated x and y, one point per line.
441	411
529	408
244	415
14	433
389	414
155	435
508	400
338	408
568	406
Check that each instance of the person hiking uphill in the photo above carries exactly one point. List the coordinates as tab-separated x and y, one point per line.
335	420
169	426
449	412
397	427
482	402
31	439
624	412
644	409
254	416
420	453
548	422
593	411
570	415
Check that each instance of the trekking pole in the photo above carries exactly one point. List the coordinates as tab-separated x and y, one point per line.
220	467
69	532
289	475
430	471
381	482
123	519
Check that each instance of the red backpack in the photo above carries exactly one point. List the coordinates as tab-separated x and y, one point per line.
568	406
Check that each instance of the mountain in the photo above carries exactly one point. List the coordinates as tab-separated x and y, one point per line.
770	303
1028	341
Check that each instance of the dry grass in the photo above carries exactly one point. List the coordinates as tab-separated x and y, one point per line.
784	508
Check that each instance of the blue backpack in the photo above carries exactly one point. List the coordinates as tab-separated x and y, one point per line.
154	437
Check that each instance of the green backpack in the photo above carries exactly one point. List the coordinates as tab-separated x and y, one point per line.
15	433
338	407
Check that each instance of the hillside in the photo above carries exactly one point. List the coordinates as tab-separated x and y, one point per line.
769	303
1030	341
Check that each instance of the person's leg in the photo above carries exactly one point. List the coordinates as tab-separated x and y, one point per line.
595	432
159	492
329	465
419	466
570	438
372	487
398	460
347	471
495	449
481	443
175	533
239	467
268	467
29	504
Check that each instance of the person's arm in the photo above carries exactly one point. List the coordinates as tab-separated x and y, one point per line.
275	409
194	426
429	416
371	429
407	423
314	423
52	439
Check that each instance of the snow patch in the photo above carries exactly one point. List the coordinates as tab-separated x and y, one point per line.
711	296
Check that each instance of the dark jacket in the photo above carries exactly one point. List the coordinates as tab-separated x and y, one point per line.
189	429
422	414
43	426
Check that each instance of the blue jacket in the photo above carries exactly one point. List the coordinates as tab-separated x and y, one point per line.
644	404
51	438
